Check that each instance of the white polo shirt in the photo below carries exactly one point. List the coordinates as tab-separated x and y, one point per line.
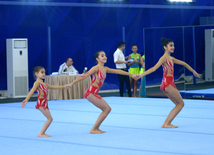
64	69
119	56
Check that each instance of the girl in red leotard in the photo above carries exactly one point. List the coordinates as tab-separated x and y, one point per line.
42	104
98	73
168	85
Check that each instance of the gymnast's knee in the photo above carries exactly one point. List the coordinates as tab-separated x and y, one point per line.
50	119
181	104
108	109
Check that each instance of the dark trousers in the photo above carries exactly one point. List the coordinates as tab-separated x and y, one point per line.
122	79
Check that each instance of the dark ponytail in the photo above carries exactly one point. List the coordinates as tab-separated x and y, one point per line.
96	55
165	41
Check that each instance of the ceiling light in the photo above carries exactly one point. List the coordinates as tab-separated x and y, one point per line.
115	1
180	1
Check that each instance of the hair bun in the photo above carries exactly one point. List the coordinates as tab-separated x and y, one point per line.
162	40
94	57
165	41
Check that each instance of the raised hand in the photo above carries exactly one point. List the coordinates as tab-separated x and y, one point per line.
196	74
24	103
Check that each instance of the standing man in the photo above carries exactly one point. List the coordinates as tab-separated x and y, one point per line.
119	60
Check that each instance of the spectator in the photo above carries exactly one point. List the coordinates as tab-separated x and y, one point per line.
67	67
119	60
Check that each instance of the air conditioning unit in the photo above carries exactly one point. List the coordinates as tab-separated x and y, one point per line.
17	67
209	55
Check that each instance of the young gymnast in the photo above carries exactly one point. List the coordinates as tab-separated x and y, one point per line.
98	73
42	104
168	85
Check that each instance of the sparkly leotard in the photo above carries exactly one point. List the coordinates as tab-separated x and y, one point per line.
42	91
93	89
167	80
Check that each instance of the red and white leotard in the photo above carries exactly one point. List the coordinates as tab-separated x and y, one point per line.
97	78
42	90
167	80
42	100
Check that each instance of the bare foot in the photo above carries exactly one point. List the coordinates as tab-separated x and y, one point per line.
169	126
95	131
43	135
102	131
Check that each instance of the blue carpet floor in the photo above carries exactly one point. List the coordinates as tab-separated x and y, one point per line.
132	128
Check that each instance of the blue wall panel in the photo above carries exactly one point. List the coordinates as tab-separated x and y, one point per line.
79	32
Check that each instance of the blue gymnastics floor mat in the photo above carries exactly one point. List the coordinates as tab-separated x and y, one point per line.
132	128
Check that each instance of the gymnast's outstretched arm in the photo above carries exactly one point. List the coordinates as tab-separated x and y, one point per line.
82	77
179	62
153	69
116	71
